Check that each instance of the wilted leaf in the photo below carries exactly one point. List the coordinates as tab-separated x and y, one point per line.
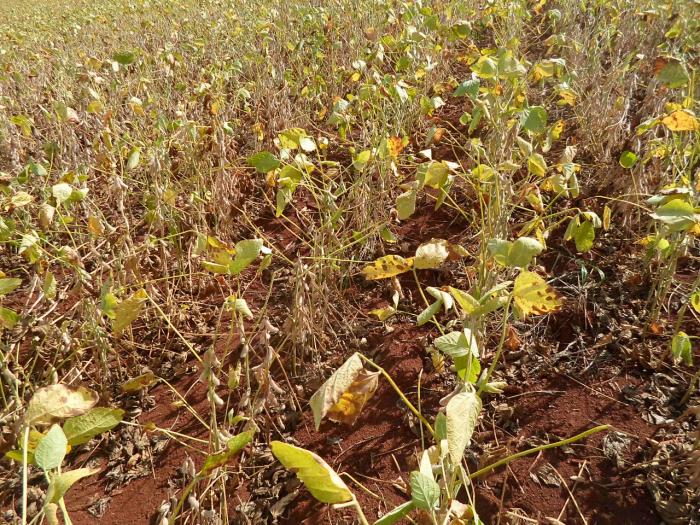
387	266
81	429
133	160
51	449
139	382
427	314
345	393
319	478
462	413
59	402
128	310
681	120
532	294
21	198
431	254
61	192
406	204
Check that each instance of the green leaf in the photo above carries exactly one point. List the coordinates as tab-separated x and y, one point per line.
427	314
469	88
62	482
673	74
8	284
81	429
233	447
291	138
462	414
124	57
465	301
61	192
682	349
425	492
128	310
8	318
51	449
534	119
537	165
678	214
584	235
318	477
458	344
695	301
518	254
406	204
263	162
59	402
246	252
396	514
628	159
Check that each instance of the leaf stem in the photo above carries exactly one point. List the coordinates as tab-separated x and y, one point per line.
501	344
535	450
399	392
25	474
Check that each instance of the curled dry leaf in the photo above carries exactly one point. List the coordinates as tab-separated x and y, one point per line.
345	393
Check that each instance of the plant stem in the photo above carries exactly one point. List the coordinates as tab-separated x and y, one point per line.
535	450
25	474
501	344
400	393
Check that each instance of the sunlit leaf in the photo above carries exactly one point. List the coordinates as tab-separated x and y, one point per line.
8	284
318	477
406	204
59	402
81	429
387	266
534	119
682	349
128	310
677	214
533	295
462	413
51	449
681	120
425	492
263	162
345	393
65	480
233	447
431	254
695	301
628	159
396	514
139	382
61	192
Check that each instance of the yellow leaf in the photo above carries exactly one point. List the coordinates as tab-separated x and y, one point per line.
681	121
387	266
395	146
383	313
533	295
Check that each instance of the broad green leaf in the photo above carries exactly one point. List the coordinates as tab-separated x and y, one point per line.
682	349
51	449
263	162
534	119
673	74
291	138
406	204
128	310
431	254
628	159
361	160
387	266
60	483
345	393
81	429
465	301
124	57
59	402
485	67
396	514
458	344
61	192
427	314
678	214
8	284
462	414
8	318
584	235
246	252
433	174
425	492
469	88
533	295
318	477
518	254
233	447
